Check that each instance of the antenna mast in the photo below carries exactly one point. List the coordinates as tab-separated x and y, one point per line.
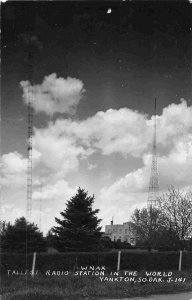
154	178
30	140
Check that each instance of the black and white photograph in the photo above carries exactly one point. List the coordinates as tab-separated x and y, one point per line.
96	150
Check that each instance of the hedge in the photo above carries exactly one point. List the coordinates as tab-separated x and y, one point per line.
71	261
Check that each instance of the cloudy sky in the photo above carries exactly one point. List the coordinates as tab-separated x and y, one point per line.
97	68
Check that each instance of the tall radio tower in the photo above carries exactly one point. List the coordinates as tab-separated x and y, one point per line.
154	178
29	161
29	137
32	45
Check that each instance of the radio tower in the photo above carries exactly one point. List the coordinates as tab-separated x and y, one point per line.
32	45
30	141
29	162
154	178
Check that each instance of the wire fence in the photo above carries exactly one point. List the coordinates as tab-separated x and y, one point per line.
111	261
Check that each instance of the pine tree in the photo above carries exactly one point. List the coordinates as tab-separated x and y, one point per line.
78	229
14	237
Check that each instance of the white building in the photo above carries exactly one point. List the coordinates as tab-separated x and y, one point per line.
124	232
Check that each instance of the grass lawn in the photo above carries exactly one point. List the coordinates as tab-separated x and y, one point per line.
72	287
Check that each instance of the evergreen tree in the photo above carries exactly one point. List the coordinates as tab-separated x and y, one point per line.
22	236
78	229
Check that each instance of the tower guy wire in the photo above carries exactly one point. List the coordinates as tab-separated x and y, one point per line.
40	207
154	177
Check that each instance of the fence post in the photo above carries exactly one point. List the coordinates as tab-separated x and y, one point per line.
118	260
180	259
33	265
75	268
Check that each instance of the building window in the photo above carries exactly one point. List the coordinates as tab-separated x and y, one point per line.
120	230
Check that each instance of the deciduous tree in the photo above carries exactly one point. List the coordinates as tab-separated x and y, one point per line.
148	223
176	204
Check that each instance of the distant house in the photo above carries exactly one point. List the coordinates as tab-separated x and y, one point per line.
124	232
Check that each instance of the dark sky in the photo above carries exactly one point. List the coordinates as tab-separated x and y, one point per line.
141	50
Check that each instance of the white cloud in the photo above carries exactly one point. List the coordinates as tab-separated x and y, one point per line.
130	191
91	166
176	168
5	207
119	204
59	148
10	212
57	155
54	192
124	131
54	95
13	163
14	168
174	123
115	131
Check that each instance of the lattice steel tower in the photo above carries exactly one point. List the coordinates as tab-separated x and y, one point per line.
32	46
29	138
154	178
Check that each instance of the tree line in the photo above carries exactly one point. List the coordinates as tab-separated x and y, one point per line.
78	229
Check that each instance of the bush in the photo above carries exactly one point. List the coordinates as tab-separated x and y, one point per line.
121	245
